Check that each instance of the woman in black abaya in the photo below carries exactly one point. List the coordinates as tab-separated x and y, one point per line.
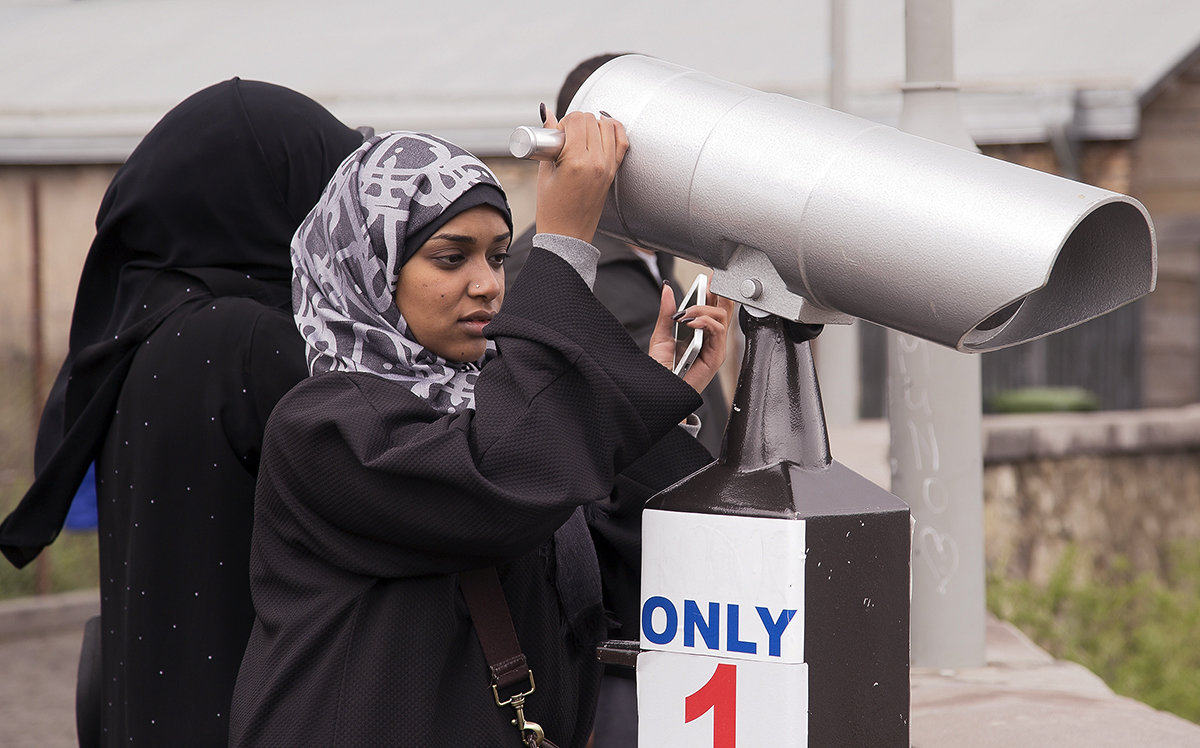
181	343
424	447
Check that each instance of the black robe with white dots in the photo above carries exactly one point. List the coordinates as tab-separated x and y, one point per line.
181	342
175	530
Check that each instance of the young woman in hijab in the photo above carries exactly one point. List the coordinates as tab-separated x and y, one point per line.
443	433
181	343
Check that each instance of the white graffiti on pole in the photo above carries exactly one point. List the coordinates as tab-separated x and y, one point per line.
939	550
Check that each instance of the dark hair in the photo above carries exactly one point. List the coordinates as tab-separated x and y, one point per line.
575	79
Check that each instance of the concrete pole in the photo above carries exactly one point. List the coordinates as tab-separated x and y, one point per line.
837	354
934	403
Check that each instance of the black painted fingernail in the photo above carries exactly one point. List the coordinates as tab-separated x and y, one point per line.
666	283
677	315
605	114
685	320
542	111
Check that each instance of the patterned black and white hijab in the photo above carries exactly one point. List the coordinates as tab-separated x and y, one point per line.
385	200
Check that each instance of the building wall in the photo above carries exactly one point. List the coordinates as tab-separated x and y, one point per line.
52	208
67	198
1166	177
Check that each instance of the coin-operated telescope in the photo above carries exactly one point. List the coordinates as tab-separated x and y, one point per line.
818	216
775	581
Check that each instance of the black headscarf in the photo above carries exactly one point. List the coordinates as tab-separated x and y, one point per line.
205	206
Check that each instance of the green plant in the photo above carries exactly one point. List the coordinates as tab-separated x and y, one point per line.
1043	400
1141	634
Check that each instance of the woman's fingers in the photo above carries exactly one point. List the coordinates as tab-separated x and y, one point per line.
612	135
662	340
622	141
572	190
709	317
714	320
601	141
582	136
549	120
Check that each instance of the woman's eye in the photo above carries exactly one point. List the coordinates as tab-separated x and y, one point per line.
499	258
455	259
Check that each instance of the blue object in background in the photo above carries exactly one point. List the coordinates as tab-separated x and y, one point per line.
83	514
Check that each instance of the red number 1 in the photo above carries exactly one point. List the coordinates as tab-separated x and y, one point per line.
719	695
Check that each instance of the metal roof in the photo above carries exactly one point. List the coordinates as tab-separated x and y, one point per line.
83	80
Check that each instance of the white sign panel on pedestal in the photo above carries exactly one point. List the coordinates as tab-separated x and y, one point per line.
722	631
689	701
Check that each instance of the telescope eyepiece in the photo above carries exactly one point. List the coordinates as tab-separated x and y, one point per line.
536	143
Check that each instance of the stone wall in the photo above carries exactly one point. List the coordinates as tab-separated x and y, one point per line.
1114	483
1110	484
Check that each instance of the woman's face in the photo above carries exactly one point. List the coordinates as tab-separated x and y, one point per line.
454	284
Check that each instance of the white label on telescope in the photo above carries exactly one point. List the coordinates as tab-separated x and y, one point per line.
723	586
686	701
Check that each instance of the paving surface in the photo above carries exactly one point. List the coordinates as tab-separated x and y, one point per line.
1024	697
37	692
39	657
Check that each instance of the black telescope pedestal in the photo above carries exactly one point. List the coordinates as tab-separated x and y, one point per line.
779	571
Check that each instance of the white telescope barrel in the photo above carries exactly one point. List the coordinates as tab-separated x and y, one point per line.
816	215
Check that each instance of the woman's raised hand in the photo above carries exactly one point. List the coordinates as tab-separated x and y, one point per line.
712	318
571	190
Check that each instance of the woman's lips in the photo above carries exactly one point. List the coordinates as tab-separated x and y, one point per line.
474	323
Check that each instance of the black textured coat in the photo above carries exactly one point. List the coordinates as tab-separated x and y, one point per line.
369	502
627	288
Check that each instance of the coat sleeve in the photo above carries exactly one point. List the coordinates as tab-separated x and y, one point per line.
616	523
366	475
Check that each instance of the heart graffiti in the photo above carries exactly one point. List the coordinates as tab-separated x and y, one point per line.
941	555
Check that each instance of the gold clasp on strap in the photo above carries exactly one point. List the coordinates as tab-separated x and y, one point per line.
518	704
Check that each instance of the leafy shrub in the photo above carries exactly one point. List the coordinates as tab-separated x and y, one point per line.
1141	634
1043	400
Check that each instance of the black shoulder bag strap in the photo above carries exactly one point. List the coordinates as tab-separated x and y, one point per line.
493	625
